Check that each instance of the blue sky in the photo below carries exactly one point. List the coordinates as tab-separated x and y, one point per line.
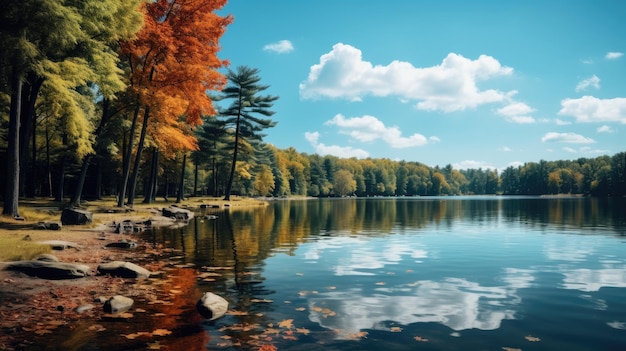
469	83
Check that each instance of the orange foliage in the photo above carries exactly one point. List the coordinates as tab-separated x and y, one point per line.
173	62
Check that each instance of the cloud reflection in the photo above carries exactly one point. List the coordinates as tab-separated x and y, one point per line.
454	302
593	279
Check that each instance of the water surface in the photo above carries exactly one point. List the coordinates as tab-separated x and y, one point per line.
471	273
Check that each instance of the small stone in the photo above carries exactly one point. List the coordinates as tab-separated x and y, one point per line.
117	304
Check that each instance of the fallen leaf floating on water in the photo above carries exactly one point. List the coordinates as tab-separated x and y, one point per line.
359	335
532	338
304	331
154	345
395	329
161	332
268	347
287	323
510	349
236	313
419	338
300	309
381	283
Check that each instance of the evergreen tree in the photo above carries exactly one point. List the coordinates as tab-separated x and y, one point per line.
243	89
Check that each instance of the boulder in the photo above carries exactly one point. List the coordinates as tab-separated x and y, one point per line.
212	306
117	304
123	270
49	270
60	245
73	216
180	214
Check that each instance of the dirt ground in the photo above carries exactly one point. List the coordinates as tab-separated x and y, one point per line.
31	306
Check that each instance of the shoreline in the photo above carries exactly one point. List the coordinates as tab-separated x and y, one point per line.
32	307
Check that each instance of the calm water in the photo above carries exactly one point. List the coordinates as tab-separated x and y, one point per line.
405	274
472	273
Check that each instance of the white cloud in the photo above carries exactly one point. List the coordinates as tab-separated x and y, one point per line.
450	86
280	47
335	150
613	55
471	164
517	112
592	81
605	129
560	122
505	149
592	109
370	128
570	138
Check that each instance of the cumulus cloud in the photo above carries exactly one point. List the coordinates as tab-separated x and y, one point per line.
370	128
613	55
517	112
335	150
450	86
605	129
592	109
570	138
592	81
280	47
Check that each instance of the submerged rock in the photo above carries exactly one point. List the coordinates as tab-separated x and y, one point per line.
212	306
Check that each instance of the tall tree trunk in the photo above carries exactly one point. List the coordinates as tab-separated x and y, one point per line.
78	191
11	195
151	186
98	188
233	166
33	176
195	179
30	91
181	184
48	167
127	157
142	138
61	184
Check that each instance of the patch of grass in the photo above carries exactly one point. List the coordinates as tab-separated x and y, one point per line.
15	249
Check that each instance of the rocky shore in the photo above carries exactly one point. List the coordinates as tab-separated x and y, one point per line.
97	274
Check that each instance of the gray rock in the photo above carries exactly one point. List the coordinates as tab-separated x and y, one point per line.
49	270
212	306
47	258
123	270
72	216
60	244
117	304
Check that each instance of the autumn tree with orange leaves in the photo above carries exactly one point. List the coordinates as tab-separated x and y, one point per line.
173	63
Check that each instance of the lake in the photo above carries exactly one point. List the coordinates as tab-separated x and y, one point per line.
444	273
429	273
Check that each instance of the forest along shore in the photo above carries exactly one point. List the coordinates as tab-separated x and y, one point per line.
31	306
